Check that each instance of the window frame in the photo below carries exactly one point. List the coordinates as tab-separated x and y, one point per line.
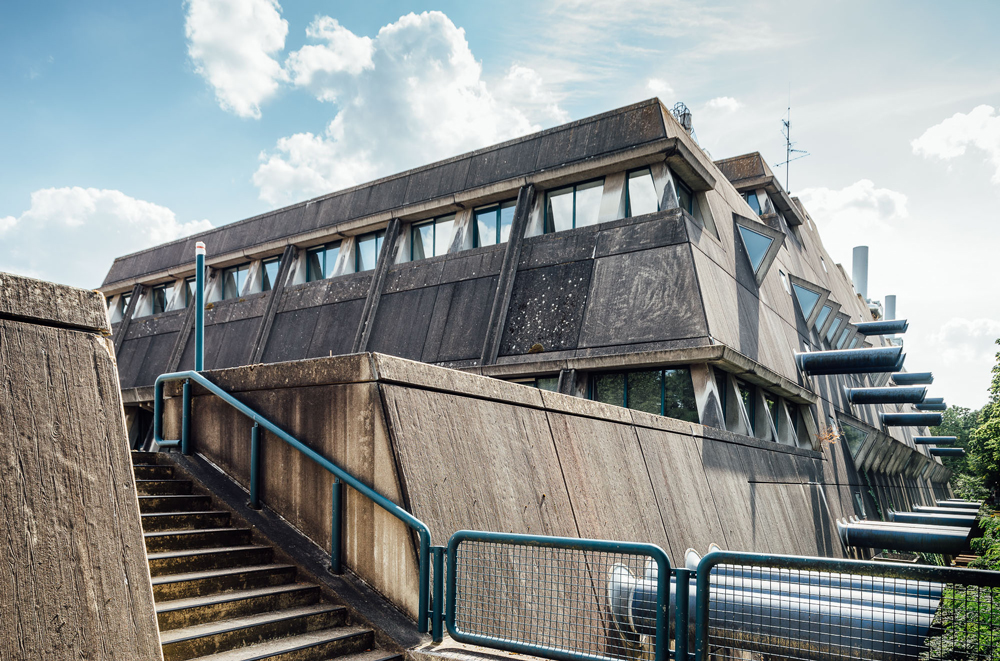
379	236
322	249
628	195
263	272
235	268
166	301
433	222
662	372
574	187
756	202
498	207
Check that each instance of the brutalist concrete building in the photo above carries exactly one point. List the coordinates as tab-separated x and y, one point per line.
608	259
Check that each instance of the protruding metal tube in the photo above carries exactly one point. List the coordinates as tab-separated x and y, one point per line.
922	518
934	440
909	395
255	466
851	361
959	502
949	511
928	539
913	378
932	404
337	526
885	327
910	419
947	452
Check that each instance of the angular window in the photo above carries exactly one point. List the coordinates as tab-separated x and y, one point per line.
233	280
493	223
678	395
609	388
685	198
161	297
784	282
754	203
756	244
859	505
431	238
854	342
640	193
823	315
661	392
573	206
269	273
189	290
550	383
643	391
830	334
366	251
843	338
855	437
807	299
772	407
746	394
320	262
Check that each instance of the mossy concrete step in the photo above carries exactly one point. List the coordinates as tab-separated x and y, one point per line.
215	637
179	540
185	562
175	503
343	644
178	613
152	472
143	457
163	521
199	584
163	487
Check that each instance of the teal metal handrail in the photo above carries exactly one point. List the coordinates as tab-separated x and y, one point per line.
339	473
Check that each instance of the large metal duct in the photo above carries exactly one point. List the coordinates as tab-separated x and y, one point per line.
950	511
910	419
927	519
932	404
851	361
906	395
947	452
959	502
934	440
913	378
860	271
886	327
950	540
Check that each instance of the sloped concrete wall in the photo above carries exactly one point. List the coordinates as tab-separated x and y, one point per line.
74	582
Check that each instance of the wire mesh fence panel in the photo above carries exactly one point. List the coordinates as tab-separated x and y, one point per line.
548	599
782	608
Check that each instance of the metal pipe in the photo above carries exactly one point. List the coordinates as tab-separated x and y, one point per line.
950	511
911	395
913	378
336	527
199	310
934	440
885	327
910	419
842	581
850	361
255	467
859	271
955	502
947	452
924	518
437	619
928	539
927	405
186	418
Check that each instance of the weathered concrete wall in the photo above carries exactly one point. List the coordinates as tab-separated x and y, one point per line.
74	582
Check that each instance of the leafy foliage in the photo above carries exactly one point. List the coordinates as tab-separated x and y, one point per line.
984	442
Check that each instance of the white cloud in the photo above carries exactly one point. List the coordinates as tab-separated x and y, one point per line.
859	200
725	104
72	235
950	139
231	43
660	88
412	94
960	353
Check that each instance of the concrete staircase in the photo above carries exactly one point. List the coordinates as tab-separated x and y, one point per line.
220	597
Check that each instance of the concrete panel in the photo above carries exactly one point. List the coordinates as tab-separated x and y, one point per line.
643	297
400	326
37	301
336	325
156	360
742	523
459	320
667	230
291	334
546	308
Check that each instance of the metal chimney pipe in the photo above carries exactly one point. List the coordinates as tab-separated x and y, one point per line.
861	271
890	307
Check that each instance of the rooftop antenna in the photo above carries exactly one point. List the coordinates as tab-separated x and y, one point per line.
790	153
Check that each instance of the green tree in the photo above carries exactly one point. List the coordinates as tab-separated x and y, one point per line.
984	443
959	422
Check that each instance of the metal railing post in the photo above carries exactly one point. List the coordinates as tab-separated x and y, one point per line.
255	466
336	527
199	310
186	419
437	613
424	588
681	624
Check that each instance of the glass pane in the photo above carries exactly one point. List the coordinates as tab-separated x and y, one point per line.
314	265
833	330
367	253
486	226
506	220
189	294
588	203
125	300
772	408
422	241
807	299
684	197
644	391
641	193
559	210
444	229
747	396
270	274
678	395
855	437
610	389
823	314
159	299
753	202
756	245
550	383
854	343
330	259
843	338
230	284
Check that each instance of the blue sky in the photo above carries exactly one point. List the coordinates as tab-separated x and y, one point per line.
124	124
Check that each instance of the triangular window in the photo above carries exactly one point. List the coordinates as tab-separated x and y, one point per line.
833	330
756	244
807	300
823	315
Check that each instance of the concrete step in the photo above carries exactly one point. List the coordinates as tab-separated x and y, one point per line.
163	487
343	644
178	613
179	540
194	584
185	562
215	637
176	503
159	522
143	457
152	472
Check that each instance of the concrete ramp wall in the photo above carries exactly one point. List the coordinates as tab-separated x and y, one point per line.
74	583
